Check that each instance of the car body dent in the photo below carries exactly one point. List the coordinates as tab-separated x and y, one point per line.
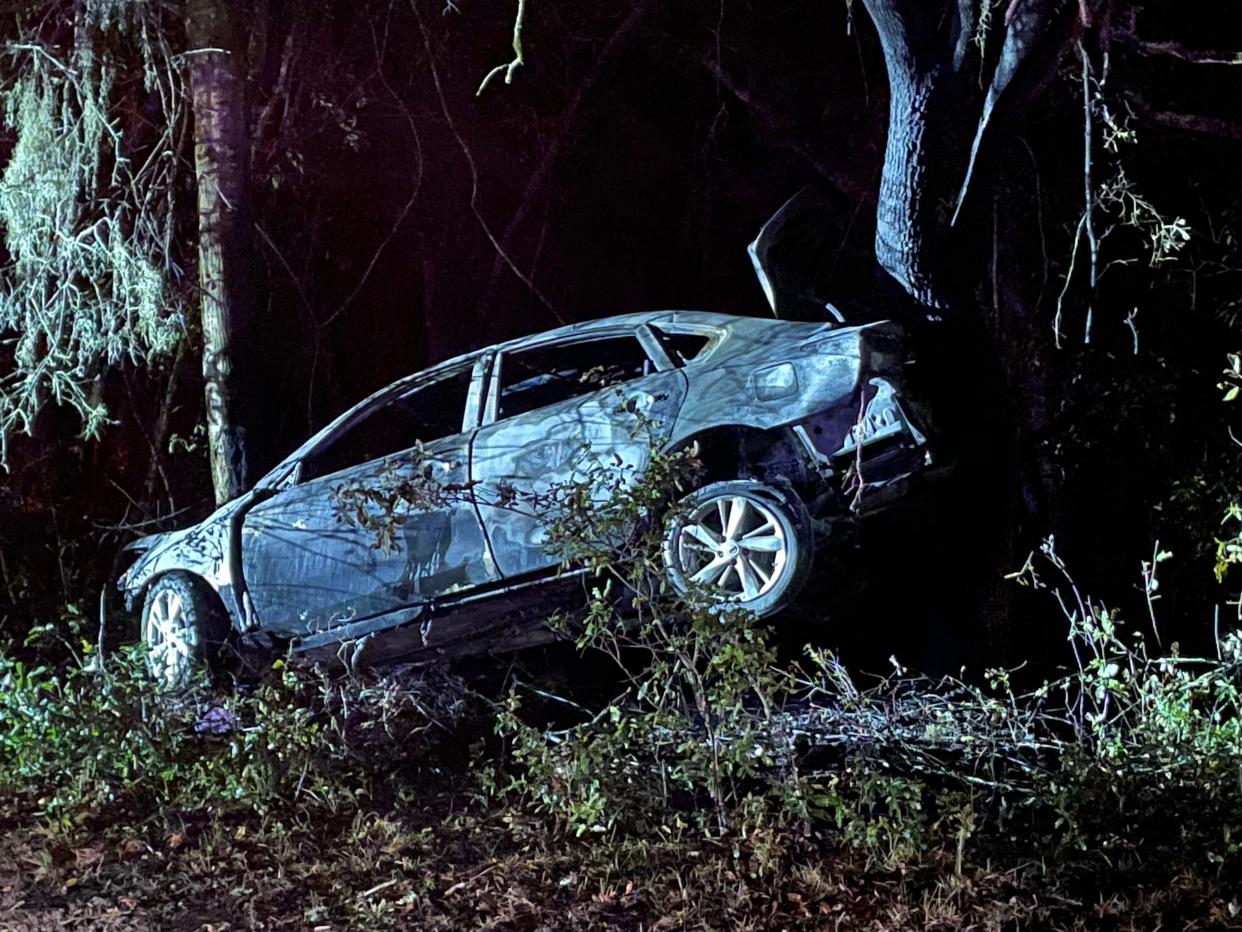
533	452
309	572
832	366
204	550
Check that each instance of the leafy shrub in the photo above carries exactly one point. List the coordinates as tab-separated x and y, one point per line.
91	734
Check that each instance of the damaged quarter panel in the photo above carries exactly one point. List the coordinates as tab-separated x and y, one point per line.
767	374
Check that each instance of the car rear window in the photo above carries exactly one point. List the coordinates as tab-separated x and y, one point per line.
547	375
683	346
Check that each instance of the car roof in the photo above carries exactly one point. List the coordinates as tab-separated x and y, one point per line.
586	328
582	328
621	321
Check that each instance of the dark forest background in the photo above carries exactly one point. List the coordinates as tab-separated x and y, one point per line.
402	215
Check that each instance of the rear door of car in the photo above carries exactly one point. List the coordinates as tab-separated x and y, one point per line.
564	411
310	565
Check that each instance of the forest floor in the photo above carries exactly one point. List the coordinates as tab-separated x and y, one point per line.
445	862
424	844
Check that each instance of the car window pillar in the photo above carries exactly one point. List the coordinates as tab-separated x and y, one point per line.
651	343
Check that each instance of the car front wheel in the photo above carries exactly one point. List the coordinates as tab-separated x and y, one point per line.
183	628
747	544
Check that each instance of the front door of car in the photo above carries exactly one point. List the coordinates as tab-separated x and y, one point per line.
310	564
563	413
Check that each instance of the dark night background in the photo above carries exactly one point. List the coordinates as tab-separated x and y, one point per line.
632	158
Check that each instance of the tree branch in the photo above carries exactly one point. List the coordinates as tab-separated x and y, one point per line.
518	60
569	119
415	188
1184	122
778	127
474	171
1181	52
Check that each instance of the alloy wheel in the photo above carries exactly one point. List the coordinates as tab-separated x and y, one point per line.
170	637
735	545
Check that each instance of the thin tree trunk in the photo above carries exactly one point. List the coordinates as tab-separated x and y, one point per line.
221	155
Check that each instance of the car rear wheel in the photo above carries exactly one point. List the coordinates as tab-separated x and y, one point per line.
747	544
183	628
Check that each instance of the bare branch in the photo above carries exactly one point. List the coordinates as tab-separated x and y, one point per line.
551	154
1184	122
409	204
474	171
1088	134
1181	52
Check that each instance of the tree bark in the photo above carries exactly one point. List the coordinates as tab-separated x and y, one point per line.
953	72
927	138
939	109
222	156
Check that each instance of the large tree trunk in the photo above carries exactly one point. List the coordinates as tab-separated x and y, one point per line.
939	110
221	155
927	140
950	70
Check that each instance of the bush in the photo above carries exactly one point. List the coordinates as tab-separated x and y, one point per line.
92	734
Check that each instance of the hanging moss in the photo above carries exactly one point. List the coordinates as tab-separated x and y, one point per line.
86	214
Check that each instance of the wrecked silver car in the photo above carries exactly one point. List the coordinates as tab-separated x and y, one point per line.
795	423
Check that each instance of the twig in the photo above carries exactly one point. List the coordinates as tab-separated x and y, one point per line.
1150	586
1039	218
1088	189
539	178
1069	275
1182	52
1184	122
293	277
409	204
462	884
552	696
474	171
103	615
378	887
518	60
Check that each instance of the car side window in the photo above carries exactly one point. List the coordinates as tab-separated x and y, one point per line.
682	346
546	375
422	414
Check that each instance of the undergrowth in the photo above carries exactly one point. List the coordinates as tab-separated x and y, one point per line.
718	788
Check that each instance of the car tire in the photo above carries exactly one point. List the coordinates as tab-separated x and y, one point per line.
183	628
706	543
